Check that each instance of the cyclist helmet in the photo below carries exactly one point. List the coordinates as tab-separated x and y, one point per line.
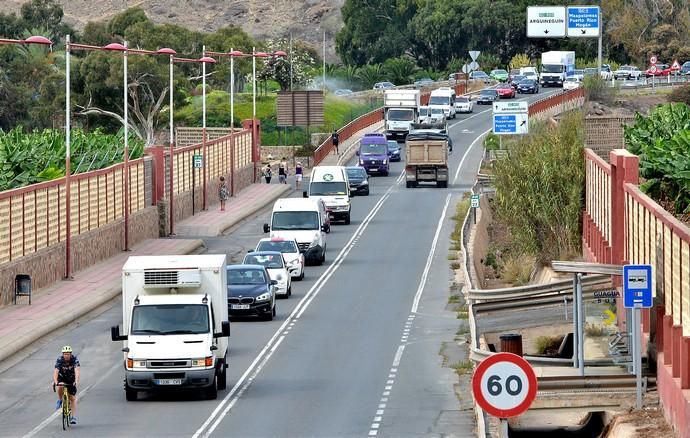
66	349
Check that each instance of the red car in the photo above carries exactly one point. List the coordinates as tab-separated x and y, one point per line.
661	70
505	91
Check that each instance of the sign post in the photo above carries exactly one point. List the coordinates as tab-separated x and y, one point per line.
197	163
585	21
546	21
637	295
475	205
504	385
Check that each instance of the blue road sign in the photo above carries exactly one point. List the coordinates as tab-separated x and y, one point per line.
637	286
505	123
583	21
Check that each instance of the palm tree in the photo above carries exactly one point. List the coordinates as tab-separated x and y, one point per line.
399	70
370	74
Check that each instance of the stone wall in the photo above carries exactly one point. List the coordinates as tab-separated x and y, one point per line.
605	133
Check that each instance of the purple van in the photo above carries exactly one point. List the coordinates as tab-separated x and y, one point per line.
373	153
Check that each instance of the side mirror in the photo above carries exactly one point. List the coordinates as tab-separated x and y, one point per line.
357	153
274	282
267	228
224	330
250	251
353	192
326	228
305	194
115	334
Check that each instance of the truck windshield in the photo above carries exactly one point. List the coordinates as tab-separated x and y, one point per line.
399	115
552	68
439	100
372	149
295	220
170	319
328	188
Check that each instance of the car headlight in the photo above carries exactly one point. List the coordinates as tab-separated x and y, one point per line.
263	297
361	162
385	161
202	362
295	262
132	363
365	183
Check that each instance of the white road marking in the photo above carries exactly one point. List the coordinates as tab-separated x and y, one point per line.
432	251
379	412
398	355
377	419
58	412
457	172
212	422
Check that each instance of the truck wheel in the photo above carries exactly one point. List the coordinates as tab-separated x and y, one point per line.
408	184
212	391
347	219
439	184
221	382
385	173
131	394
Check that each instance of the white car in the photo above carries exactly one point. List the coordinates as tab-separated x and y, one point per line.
291	254
437	115
463	104
571	83
277	269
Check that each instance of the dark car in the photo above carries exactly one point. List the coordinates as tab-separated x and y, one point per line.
515	80
393	150
528	86
488	95
685	68
251	291
359	180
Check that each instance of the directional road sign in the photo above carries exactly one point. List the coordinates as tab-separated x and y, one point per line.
517	106
583	21
511	124
546	21
504	385
637	286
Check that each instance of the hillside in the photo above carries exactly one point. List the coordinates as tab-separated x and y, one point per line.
307	19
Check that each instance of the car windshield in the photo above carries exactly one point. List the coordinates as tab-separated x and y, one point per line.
579	71
393	145
500	72
461	99
480	74
439	100
284	246
518	78
168	319
590	71
552	68
487	92
372	149
328	188
356	172
295	220
437	111
401	115
268	260
246	276
527	82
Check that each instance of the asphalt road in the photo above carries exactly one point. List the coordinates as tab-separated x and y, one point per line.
353	352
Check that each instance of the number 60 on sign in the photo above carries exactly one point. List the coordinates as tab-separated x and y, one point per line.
504	385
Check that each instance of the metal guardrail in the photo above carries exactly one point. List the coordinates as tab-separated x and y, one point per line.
533	290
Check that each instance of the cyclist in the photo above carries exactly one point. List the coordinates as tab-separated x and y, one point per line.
67	372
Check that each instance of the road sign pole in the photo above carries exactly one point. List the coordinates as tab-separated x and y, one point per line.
504	428
599	52
575	325
637	353
193	183
580	327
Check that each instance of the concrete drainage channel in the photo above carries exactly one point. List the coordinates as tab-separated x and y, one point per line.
594	426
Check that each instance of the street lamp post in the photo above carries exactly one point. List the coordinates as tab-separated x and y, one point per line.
171	53
204	60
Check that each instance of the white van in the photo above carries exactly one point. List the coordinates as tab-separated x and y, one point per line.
304	220
444	98
330	183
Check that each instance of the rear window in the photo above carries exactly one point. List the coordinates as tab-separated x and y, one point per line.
284	246
461	99
488	92
267	260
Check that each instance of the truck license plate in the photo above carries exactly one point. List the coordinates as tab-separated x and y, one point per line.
240	306
168	381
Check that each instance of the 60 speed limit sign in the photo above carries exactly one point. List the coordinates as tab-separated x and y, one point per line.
504	385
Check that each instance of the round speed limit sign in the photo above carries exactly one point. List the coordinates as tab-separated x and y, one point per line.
504	385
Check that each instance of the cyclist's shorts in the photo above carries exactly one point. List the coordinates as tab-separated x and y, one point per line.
71	389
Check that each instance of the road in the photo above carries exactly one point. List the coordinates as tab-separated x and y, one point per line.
353	352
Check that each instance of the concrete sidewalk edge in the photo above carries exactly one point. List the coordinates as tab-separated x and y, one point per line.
70	315
252	210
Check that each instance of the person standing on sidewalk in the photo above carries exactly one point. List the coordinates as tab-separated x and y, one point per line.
282	171
223	193
298	175
268	173
335	137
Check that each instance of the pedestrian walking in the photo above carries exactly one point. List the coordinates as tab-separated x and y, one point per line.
298	175
335	137
283	171
223	192
268	173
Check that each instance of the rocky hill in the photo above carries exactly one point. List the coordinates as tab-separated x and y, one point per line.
306	19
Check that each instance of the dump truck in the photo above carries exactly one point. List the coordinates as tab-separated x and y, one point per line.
426	154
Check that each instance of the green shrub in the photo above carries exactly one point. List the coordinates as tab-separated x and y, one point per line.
680	95
597	89
517	270
491	142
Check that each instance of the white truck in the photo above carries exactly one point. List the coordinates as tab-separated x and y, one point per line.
175	323
401	110
555	67
443	98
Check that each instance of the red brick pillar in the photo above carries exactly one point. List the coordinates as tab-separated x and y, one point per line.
675	345
685	363
157	153
668	336
254	127
646	320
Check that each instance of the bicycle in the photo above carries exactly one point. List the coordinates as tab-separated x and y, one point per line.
66	408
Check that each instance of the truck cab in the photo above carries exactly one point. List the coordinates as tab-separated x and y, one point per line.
400	111
175	324
373	154
330	183
443	98
556	66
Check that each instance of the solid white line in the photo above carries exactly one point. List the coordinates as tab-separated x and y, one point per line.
269	348
398	355
481	136
57	413
425	274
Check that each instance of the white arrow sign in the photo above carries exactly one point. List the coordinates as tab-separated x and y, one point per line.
546	21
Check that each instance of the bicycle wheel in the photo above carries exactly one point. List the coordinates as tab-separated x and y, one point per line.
65	412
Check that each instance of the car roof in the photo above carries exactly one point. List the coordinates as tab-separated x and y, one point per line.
277	239
264	253
244	266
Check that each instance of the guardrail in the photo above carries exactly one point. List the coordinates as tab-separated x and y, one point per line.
346	132
533	290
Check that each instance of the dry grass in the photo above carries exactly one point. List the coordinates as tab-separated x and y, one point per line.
517	270
595	330
463	367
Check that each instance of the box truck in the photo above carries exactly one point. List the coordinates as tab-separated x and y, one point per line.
401	110
555	67
175	323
